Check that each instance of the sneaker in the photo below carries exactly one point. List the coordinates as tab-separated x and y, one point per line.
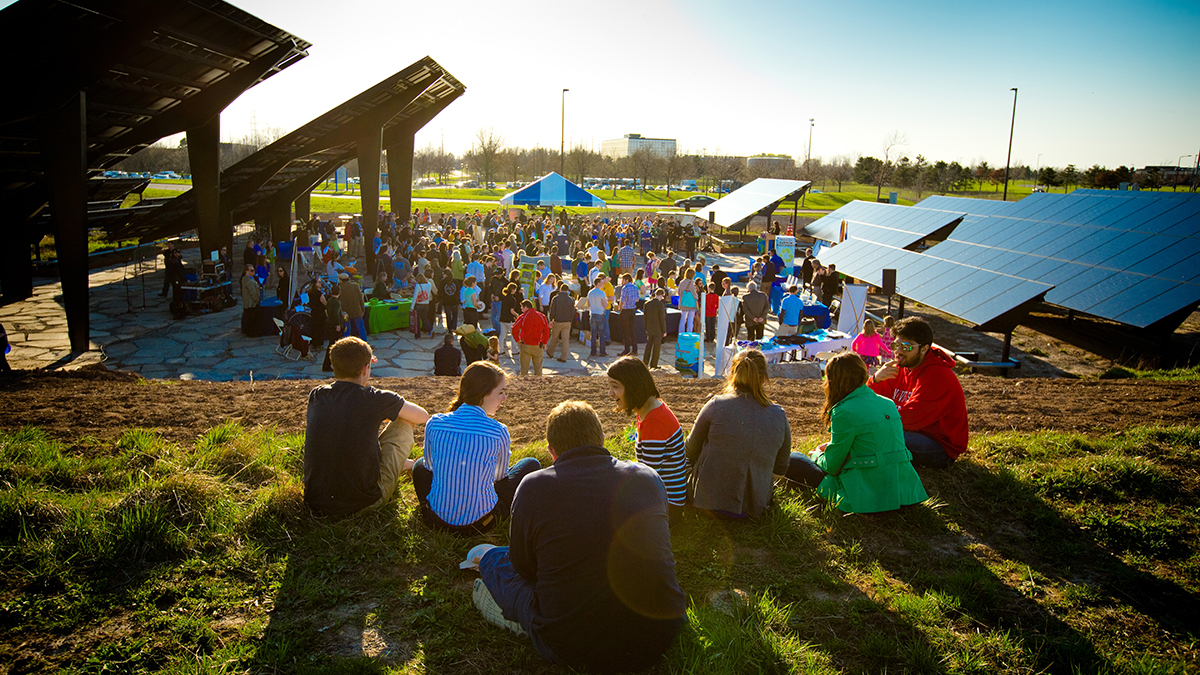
563	360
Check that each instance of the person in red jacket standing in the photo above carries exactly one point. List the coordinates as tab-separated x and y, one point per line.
531	331
921	380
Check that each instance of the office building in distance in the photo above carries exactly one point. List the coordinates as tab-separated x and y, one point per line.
631	143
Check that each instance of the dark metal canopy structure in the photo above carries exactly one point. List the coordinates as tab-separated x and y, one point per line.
263	186
99	80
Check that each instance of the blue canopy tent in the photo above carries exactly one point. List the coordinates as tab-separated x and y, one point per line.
552	190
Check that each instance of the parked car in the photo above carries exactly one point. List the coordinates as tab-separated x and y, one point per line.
694	202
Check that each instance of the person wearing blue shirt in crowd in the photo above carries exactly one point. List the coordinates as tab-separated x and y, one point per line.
781	274
790	311
464	482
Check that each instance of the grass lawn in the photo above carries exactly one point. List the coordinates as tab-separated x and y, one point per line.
1049	552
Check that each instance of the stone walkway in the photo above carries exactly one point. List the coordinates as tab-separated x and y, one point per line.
131	336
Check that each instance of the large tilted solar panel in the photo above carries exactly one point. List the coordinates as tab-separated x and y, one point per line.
1118	255
968	292
750	199
899	226
982	207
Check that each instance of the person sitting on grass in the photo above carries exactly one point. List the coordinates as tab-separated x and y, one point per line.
588	574
921	380
660	439
864	468
447	360
739	442
464	482
349	465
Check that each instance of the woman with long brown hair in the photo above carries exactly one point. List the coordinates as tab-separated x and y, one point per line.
865	467
739	442
463	481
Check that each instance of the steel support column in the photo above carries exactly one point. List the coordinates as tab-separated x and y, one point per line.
204	159
400	174
16	270
369	150
64	150
304	206
281	222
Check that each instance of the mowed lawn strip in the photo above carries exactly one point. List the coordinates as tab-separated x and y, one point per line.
1045	552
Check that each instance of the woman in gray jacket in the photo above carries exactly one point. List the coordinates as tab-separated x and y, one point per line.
739	442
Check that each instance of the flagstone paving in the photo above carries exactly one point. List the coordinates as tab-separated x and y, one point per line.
132	330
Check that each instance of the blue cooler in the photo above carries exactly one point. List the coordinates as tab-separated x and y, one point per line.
687	354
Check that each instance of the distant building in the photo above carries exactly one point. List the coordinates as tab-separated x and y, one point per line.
631	143
770	162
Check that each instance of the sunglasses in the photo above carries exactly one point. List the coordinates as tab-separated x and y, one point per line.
903	346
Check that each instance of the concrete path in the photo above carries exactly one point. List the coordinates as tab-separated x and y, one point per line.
132	330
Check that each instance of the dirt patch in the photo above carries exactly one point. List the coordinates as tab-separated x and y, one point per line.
68	408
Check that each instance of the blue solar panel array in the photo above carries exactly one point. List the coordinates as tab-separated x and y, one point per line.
899	226
1133	257
968	292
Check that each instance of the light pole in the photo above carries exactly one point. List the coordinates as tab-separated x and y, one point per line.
807	157
562	139
1037	170
1011	126
1178	166
808	154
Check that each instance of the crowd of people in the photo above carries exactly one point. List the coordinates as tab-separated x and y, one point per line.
588	574
465	271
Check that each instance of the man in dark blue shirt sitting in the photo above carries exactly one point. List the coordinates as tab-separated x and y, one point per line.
588	598
348	464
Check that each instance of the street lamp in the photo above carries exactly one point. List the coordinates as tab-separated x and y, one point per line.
807	157
811	123
562	139
1178	166
1011	126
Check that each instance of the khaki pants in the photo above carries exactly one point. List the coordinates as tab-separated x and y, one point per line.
559	330
785	329
531	353
395	445
653	345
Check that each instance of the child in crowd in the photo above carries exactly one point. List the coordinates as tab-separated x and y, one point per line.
870	345
494	349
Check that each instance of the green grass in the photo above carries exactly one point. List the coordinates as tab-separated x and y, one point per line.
1047	552
1191	374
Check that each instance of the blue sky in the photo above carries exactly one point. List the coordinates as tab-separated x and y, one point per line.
1099	82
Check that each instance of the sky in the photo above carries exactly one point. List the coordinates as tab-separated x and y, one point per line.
1098	82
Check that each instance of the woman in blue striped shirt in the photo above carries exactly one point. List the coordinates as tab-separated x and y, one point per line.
463	481
660	440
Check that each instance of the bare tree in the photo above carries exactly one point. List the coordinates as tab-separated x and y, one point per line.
841	170
883	170
673	168
580	161
644	163
488	144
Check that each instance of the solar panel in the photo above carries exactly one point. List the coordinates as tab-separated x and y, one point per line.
889	224
1132	257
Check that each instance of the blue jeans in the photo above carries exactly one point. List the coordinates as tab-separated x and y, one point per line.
495	317
514	595
422	479
599	328
802	470
926	451
357	328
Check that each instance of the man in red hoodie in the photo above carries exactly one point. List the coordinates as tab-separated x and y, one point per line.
531	331
921	380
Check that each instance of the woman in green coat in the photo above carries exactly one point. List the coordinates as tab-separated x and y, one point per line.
865	467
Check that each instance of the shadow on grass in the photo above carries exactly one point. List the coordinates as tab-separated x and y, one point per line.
770	596
379	591
992	517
